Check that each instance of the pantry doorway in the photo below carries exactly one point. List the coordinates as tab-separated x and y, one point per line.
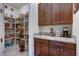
16	28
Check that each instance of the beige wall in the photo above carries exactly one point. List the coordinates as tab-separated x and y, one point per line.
55	28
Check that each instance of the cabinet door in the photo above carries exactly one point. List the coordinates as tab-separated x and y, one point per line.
41	13
54	48
67	52
69	49
45	14
66	13
44	48
53	51
37	47
55	13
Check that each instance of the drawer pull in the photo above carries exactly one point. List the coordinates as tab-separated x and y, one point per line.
57	48
61	49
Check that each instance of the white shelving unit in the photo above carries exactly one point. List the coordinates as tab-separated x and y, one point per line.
22	24
19	24
9	30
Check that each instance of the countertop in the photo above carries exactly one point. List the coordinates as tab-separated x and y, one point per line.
62	39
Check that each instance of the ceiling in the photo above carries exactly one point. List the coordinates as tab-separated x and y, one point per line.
16	5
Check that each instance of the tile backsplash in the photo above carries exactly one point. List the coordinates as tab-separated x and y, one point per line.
55	28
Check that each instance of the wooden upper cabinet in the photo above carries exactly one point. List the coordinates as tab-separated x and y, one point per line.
75	7
44	14
47	14
55	13
41	14
66	13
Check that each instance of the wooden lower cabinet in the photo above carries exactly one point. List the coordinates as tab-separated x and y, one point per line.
44	47
53	51
67	52
37	49
41	47
55	13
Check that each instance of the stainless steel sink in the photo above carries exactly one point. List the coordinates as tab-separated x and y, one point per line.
49	34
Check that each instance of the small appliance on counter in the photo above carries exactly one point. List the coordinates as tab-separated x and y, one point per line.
52	32
58	33
65	32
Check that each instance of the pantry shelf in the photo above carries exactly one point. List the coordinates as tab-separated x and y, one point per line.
9	29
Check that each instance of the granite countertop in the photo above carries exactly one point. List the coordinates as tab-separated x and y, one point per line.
51	37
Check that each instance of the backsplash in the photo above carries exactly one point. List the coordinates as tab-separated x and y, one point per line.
55	28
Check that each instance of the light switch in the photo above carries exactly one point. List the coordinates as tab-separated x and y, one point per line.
0	10
1	40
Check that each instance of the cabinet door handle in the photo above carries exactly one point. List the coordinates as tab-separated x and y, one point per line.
61	21
57	48
61	49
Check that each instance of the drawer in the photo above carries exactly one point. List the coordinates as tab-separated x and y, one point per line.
44	41
37	40
70	45
56	43
41	40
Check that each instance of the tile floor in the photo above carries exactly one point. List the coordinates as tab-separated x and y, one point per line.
14	51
